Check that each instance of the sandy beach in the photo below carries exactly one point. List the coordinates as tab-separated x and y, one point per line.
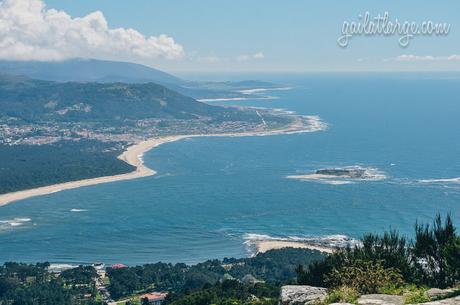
133	155
266	245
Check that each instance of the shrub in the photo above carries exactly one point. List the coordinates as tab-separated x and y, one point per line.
365	277
342	295
416	296
432	260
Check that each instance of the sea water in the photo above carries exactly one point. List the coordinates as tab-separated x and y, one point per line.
213	196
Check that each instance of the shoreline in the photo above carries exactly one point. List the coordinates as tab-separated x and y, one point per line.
133	156
249	96
267	245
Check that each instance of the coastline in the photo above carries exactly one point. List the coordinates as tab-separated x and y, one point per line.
133	156
247	92
267	245
261	243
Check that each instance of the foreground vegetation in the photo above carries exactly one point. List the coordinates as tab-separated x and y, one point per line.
22	284
392	264
276	266
387	263
211	281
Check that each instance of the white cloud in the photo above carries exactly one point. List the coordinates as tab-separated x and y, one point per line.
245	57
30	31
411	57
418	58
453	57
259	55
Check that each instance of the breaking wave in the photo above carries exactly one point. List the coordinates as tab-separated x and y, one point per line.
11	223
446	180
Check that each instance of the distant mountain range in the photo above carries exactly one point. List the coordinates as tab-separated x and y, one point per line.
88	70
102	71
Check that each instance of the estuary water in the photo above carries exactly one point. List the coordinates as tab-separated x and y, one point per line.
212	196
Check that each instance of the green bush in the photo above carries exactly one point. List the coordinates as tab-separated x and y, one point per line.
365	277
416	296
342	295
433	259
389	249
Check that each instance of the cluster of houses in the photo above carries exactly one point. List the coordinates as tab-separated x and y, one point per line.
153	298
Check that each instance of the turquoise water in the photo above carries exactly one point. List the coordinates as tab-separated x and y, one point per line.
210	193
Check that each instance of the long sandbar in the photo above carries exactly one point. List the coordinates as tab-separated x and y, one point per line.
266	245
133	155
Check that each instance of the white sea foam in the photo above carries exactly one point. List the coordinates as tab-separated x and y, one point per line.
315	123
229	99
11	223
259	90
335	182
78	210
60	267
23	219
444	180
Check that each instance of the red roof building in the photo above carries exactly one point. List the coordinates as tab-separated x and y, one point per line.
118	266
154	298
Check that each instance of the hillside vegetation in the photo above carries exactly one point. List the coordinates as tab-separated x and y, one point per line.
29	99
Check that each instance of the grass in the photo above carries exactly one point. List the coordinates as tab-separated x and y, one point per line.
415	297
412	293
341	295
134	301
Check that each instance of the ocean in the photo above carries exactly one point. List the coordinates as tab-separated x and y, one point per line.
212	196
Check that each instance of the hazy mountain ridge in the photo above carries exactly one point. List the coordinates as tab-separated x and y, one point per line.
103	71
88	70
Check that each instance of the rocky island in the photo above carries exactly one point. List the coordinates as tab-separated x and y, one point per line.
342	175
355	172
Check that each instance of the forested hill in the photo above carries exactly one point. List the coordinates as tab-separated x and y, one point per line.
30	99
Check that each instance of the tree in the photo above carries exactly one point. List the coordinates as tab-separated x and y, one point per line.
433	259
365	277
435	252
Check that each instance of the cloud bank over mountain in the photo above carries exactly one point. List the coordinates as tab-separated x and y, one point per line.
30	31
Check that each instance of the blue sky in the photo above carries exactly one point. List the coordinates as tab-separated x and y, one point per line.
270	35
